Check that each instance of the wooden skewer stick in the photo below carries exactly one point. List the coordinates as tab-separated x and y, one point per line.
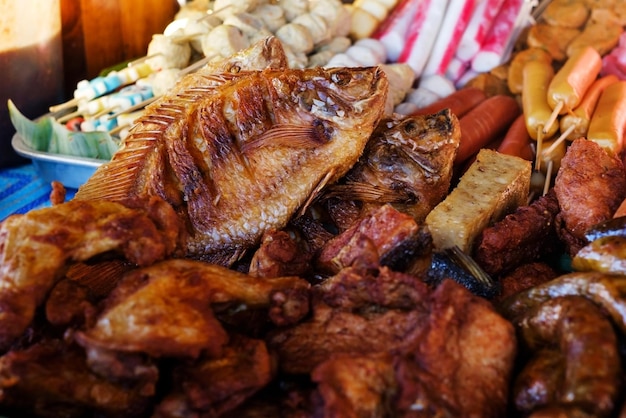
558	141
138	106
555	113
539	148
142	59
546	185
69	116
62	106
117	129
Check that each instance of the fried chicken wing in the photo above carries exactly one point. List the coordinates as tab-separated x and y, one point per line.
37	248
166	309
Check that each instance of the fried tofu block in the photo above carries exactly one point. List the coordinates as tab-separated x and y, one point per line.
493	186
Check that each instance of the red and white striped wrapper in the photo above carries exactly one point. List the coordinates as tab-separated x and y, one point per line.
513	16
422	34
455	21
478	28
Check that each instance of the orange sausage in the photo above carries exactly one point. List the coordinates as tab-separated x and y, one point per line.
571	82
460	102
581	115
484	123
608	123
517	142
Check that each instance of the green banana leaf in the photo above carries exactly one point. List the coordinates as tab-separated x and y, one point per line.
46	134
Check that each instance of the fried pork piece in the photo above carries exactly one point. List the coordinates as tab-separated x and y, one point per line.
459	366
406	163
51	379
212	387
170	304
589	186
395	236
37	248
523	236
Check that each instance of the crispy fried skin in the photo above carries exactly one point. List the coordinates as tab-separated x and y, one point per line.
170	306
524	277
589	187
37	248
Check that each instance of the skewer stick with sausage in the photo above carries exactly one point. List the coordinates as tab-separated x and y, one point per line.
536	77
569	85
608	123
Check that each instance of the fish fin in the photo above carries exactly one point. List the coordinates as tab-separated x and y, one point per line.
289	135
317	191
115	179
366	192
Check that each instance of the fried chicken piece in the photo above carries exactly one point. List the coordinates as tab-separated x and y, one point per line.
212	387
587	342
51	379
170	304
523	236
58	192
37	248
466	341
589	186
69	304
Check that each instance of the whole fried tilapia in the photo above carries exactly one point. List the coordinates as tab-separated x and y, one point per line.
407	163
241	156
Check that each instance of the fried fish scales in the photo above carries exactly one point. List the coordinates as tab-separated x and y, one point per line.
241	158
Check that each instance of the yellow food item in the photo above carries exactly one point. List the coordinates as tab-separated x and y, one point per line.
493	186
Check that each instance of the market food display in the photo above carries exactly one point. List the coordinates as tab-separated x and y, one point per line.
273	237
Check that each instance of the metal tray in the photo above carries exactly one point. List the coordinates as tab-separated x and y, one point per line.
70	171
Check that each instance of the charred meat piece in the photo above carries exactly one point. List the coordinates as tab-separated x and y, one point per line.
524	277
524	236
395	237
589	186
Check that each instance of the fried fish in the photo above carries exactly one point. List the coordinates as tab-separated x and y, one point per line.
407	163
241	156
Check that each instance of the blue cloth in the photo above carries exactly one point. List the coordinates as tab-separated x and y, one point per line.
21	190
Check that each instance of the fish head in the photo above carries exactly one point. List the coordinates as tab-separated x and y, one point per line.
342	96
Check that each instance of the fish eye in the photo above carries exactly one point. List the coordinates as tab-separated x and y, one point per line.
235	69
410	127
341	78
